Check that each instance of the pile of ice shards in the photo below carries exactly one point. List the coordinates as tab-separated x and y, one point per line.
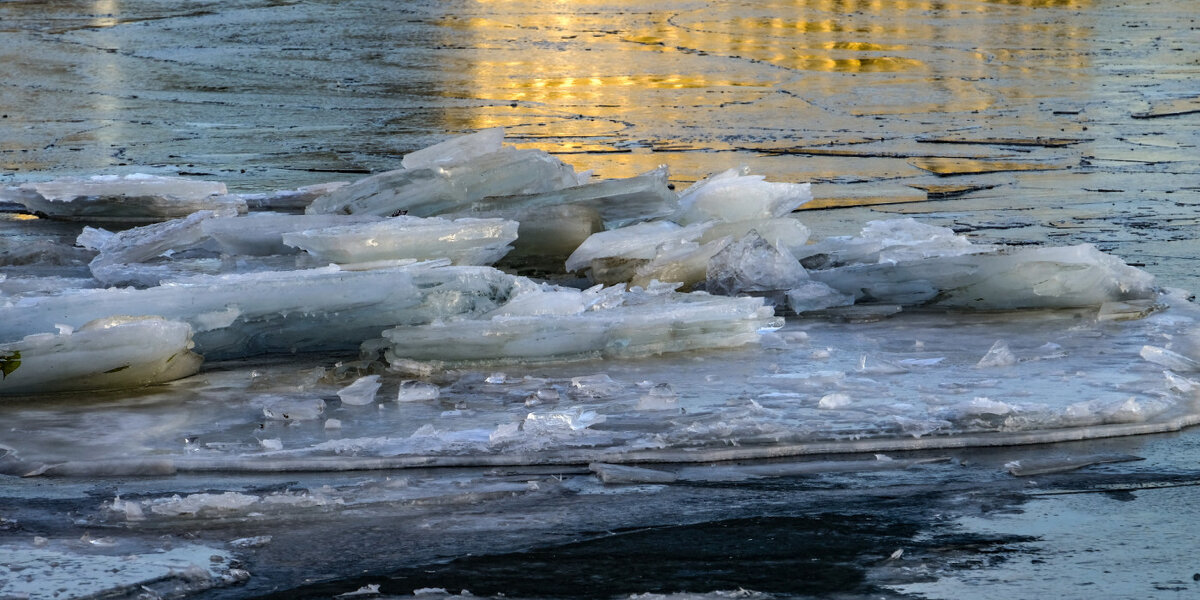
433	262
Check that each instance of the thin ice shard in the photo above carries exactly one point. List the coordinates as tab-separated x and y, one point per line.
143	244
456	150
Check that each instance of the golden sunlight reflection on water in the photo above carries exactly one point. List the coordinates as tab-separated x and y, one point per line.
563	78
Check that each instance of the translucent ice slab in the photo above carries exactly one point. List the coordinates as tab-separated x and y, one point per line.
916	380
129	198
997	280
463	241
734	195
261	234
618	201
237	315
633	245
564	324
111	353
429	191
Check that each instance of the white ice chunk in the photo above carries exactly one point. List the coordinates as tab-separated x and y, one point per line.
753	265
681	262
141	244
734	195
545	302
834	401
903	240
888	241
129	198
456	150
288	311
109	353
94	238
557	423
980	405
619	202
643	324
463	241
786	233
429	191
1171	360
261	234
638	242
412	390
1051	277
814	295
361	392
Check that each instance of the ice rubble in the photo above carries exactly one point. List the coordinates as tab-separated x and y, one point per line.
408	295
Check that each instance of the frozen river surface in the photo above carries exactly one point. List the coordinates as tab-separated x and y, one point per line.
864	451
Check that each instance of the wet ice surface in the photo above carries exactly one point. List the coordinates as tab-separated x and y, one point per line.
872	104
910	381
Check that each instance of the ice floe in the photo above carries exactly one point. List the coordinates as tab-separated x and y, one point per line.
661	327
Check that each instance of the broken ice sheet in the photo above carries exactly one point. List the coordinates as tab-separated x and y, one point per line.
438	323
735	195
432	190
768	402
463	241
129	198
636	324
108	353
1050	277
618	202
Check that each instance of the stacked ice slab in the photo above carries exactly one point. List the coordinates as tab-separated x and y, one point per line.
732	234
400	264
368	262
